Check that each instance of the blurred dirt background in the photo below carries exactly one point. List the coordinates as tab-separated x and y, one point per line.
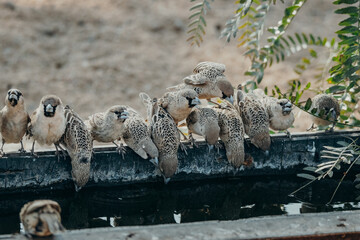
97	53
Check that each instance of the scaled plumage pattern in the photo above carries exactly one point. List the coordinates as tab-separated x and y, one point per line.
255	119
137	136
204	122
108	126
165	135
279	111
208	81
13	119
329	106
231	133
41	218
78	142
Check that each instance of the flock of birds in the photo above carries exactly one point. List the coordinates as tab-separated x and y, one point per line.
158	137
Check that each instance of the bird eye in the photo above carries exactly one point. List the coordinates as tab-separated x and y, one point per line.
116	112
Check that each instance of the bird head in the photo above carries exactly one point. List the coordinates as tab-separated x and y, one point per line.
14	97
50	103
119	112
227	90
191	97
285	105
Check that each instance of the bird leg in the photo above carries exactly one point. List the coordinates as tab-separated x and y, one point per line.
210	147
183	148
311	127
2	149
22	150
192	141
120	149
33	150
185	138
288	134
57	147
218	146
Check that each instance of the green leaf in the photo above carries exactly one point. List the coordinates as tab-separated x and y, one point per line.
348	22
307	86
335	88
308	104
345	1
306	176
348	29
346	10
199	5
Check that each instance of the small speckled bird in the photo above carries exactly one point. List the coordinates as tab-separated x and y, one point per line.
137	136
231	133
48	122
165	135
204	122
328	107
79	145
108	126
255	119
179	103
279	111
208	81
41	218
13	119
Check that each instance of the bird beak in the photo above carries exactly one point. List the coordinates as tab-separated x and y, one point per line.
230	99
49	108
13	99
124	115
195	101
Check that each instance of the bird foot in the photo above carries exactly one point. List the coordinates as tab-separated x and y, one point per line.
193	142
61	152
288	134
218	146
166	180
121	150
183	148
210	147
248	161
34	154
22	150
1	153
155	161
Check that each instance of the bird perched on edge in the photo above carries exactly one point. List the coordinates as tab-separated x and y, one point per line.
329	109
41	218
231	133
13	119
137	136
79	145
108	126
255	119
179	103
204	122
279	111
208	81
165	135
48	122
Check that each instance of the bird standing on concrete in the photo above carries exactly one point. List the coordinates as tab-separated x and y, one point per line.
165	135
108	126
137	136
208	81
204	122
13	119
328	110
41	218
279	111
78	142
231	133
48	122
255	119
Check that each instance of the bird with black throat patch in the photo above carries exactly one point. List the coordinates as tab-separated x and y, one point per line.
13	119
48	122
279	111
208	81
41	218
108	126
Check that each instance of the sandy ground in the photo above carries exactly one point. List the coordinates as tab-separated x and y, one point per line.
94	54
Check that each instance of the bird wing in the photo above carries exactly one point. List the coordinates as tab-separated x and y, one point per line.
203	66
196	79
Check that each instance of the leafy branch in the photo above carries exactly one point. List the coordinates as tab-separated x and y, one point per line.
197	25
